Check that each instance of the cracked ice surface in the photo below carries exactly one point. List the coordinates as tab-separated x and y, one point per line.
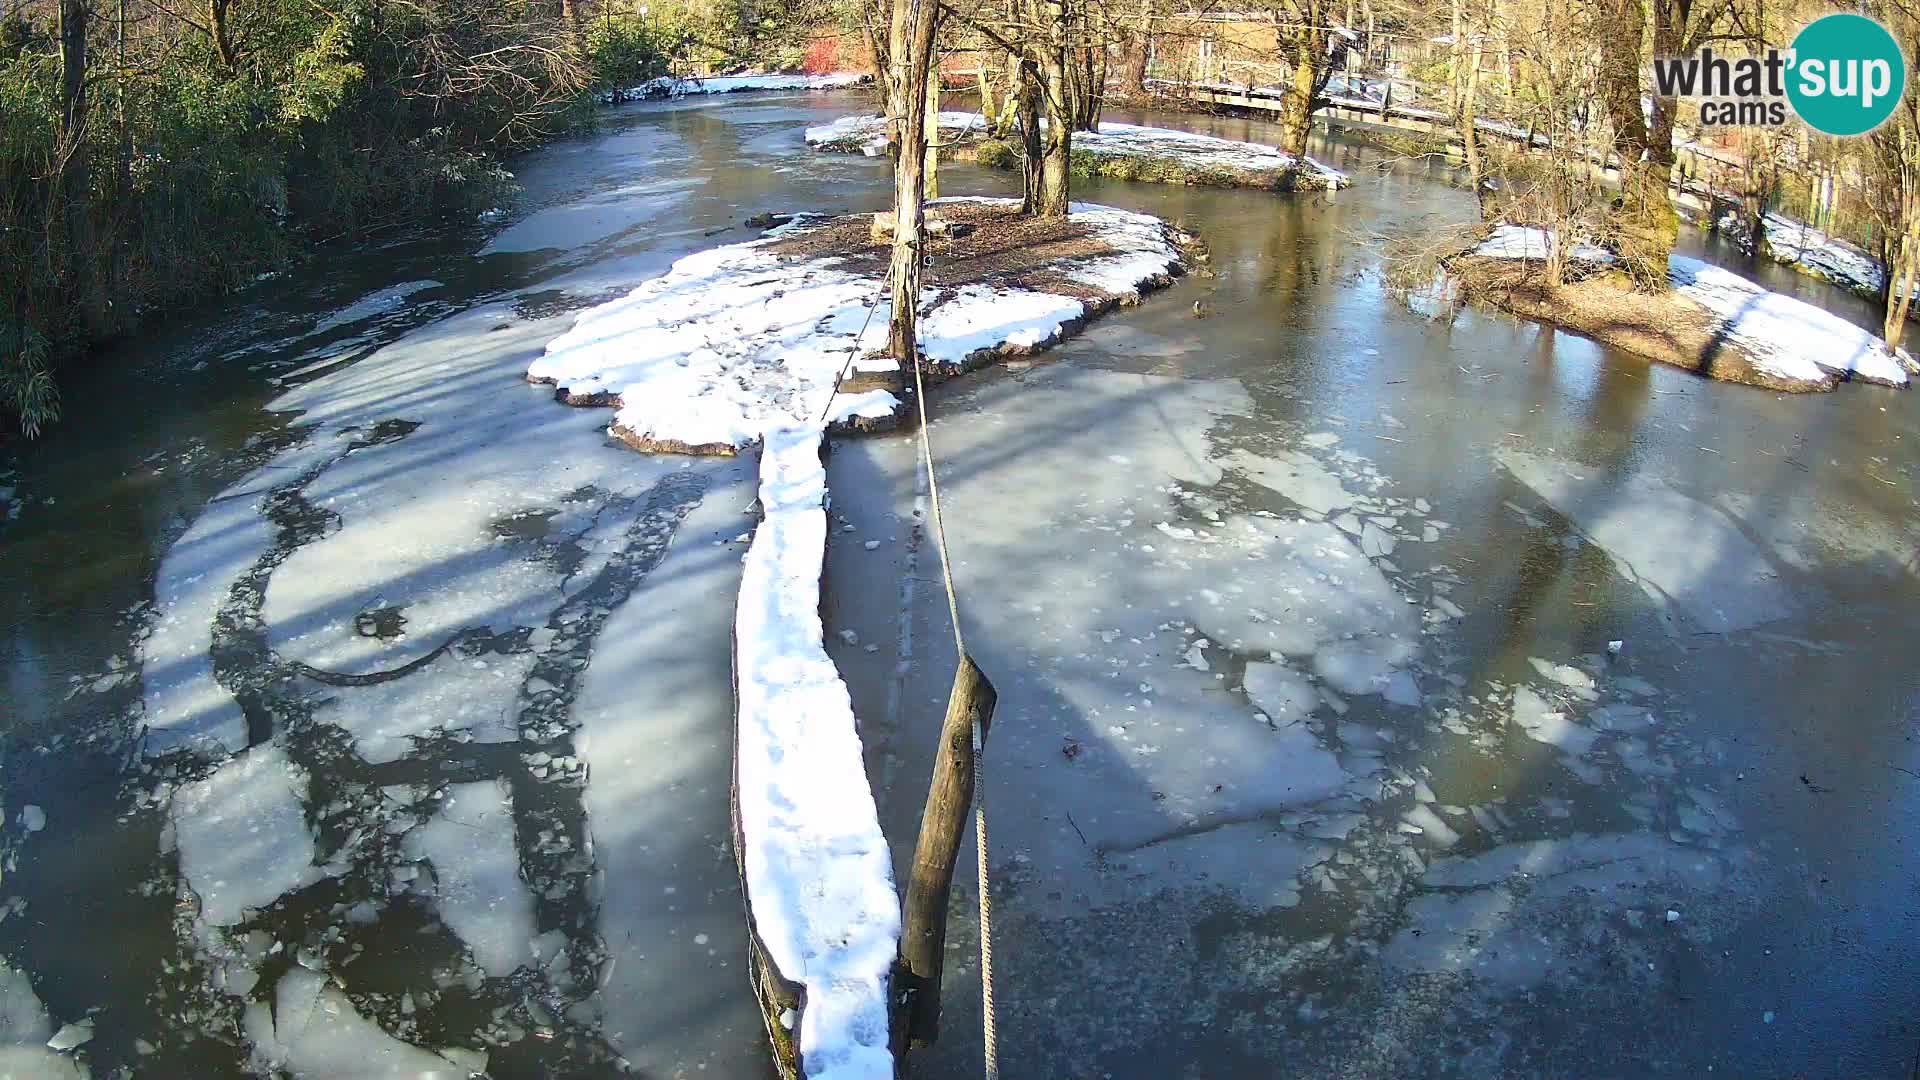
1059	487
660	830
476	872
417	515
1679	550
1503	916
311	1030
24	1029
478	697
243	836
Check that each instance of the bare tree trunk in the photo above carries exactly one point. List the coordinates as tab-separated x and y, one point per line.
1643	215
1904	267
1139	51
931	184
1456	54
1296	108
1033	150
989	109
910	48
222	32
1469	129
1056	98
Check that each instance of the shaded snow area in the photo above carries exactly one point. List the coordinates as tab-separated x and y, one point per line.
673	86
818	873
1532	242
359	692
868	135
738	340
1250	743
1783	336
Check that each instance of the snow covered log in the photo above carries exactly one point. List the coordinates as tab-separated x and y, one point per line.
822	913
1116	151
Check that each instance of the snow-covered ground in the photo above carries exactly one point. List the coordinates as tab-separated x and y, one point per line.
1113	142
671	86
1818	254
868	134
1532	242
1785	338
736	341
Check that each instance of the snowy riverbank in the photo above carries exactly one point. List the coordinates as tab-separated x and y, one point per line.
671	86
1712	321
1116	151
1815	253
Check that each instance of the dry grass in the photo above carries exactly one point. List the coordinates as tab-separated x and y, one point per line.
1004	249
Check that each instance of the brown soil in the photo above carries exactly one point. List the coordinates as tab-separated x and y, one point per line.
1005	249
1660	326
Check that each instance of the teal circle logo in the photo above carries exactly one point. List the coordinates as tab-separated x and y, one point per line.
1846	74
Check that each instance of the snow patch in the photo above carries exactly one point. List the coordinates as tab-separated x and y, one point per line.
1784	337
868	135
1529	242
671	86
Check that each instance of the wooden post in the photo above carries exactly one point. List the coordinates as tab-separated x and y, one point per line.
923	937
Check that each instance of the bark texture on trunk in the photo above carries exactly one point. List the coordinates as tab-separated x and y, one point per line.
1056	99
910	52
1032	149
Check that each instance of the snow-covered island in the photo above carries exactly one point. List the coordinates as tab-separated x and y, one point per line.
1711	321
742	345
1116	151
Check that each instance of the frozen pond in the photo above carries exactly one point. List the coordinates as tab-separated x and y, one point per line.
1378	696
